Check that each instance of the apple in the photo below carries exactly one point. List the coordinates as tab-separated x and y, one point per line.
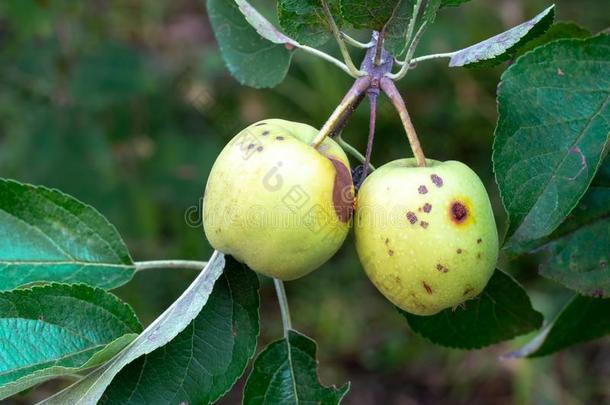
426	236
277	204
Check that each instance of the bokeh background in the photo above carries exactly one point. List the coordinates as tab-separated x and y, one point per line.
125	104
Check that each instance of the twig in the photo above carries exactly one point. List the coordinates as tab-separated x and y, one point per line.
343	110
389	88
283	301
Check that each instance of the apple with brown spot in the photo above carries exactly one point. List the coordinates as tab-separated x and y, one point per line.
426	236
276	203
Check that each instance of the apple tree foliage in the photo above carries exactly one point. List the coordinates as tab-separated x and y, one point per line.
60	258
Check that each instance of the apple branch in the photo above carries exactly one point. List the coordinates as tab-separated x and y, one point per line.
389	88
343	110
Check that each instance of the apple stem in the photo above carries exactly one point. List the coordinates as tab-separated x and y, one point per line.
372	95
343	110
283	301
389	88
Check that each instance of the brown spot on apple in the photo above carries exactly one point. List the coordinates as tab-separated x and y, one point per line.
424	224
438	182
441	268
411	217
390	252
427	287
343	191
458	212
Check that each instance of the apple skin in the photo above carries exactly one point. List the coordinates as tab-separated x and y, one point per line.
277	204
426	237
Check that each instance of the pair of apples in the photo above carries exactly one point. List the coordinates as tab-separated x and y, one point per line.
426	236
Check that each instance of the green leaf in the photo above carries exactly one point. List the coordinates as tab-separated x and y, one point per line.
285	373
602	178
431	9
397	25
503	46
502	311
58	329
552	133
582	319
305	21
370	14
166	327
46	235
209	355
558	30
577	253
256	53
396	28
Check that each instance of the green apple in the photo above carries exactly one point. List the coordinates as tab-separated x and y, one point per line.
426	236
276	203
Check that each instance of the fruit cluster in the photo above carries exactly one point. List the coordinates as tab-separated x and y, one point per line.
426	236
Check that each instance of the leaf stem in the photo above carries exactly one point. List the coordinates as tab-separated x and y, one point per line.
410	52
170	264
413	61
327	58
283	301
354	71
353	151
412	23
344	109
356	43
389	88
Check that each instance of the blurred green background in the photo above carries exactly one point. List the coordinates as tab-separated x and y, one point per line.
125	104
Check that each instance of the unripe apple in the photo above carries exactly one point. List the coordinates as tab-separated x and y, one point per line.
426	236
276	203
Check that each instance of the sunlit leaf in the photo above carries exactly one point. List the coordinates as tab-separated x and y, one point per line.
46	235
501	47
166	327
58	330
